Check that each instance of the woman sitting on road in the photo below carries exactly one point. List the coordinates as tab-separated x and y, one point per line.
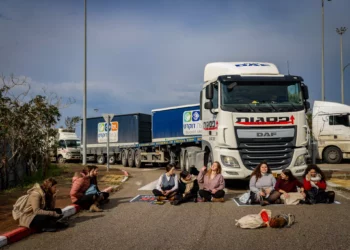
315	186
188	189
80	184
213	183
287	185
167	184
39	212
262	184
93	181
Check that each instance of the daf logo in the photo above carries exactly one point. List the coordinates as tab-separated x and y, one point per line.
266	134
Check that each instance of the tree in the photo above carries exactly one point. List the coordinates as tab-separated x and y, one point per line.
71	122
26	126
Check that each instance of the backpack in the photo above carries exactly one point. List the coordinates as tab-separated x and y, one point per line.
255	220
282	220
18	207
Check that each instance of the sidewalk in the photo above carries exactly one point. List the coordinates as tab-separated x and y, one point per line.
338	176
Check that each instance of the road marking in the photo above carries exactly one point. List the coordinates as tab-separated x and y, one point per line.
149	186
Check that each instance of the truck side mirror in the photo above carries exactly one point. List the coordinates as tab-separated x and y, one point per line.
305	90
208	105
307	106
209	91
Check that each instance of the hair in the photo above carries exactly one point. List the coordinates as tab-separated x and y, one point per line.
218	171
289	173
184	174
257	172
92	167
47	184
169	167
194	170
316	168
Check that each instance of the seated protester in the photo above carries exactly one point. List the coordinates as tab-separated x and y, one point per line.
39	212
80	184
287	185
167	184
315	186
188	188
93	181
213	183
262	184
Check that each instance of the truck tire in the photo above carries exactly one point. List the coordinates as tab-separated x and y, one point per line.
182	160
125	158
187	162
333	155
61	160
131	158
112	159
101	159
138	162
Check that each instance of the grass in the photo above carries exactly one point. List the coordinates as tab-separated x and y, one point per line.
28	181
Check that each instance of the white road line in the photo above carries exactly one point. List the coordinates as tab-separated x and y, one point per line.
149	186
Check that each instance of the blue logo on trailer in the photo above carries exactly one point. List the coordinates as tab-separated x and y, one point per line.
195	116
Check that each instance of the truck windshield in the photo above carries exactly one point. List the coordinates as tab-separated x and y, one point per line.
261	97
73	143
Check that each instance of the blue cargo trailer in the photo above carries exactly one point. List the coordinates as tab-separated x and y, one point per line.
137	139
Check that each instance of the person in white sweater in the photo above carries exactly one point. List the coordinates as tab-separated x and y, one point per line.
262	184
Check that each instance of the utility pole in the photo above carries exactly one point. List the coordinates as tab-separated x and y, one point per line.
341	31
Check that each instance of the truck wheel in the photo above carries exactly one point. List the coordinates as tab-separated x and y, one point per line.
187	162
131	158
61	160
182	160
125	158
138	162
101	159
333	155
112	159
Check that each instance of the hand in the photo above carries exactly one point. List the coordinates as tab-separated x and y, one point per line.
268	190
286	195
261	193
58	210
214	191
308	176
204	169
164	192
303	194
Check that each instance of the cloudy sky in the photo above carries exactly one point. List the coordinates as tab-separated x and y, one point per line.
151	54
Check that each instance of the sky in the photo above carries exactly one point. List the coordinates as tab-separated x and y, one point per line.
144	55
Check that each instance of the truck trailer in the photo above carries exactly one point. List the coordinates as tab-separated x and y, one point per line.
247	113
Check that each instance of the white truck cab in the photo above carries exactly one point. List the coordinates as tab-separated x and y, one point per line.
68	146
252	113
331	130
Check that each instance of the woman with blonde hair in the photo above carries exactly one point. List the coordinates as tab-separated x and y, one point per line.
213	183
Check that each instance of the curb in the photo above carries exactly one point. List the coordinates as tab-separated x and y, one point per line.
22	232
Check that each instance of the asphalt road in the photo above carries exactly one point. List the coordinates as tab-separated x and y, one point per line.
126	225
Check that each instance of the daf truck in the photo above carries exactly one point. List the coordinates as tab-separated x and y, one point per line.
247	113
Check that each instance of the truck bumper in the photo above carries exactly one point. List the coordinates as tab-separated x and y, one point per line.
243	173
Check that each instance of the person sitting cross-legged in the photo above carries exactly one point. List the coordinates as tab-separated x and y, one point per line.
213	183
167	184
188	189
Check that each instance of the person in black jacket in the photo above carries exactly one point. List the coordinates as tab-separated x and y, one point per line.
188	189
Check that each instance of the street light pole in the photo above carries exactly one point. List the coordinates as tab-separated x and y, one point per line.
84	95
341	31
323	95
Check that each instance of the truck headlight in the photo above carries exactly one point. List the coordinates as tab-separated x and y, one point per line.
69	155
300	161
229	161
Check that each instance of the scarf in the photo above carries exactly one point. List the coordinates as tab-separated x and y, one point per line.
189	185
317	178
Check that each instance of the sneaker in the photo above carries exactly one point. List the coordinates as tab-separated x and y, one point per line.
94	208
218	200
161	198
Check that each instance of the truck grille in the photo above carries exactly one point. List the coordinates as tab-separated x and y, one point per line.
277	152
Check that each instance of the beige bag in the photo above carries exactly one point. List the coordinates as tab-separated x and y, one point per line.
293	198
